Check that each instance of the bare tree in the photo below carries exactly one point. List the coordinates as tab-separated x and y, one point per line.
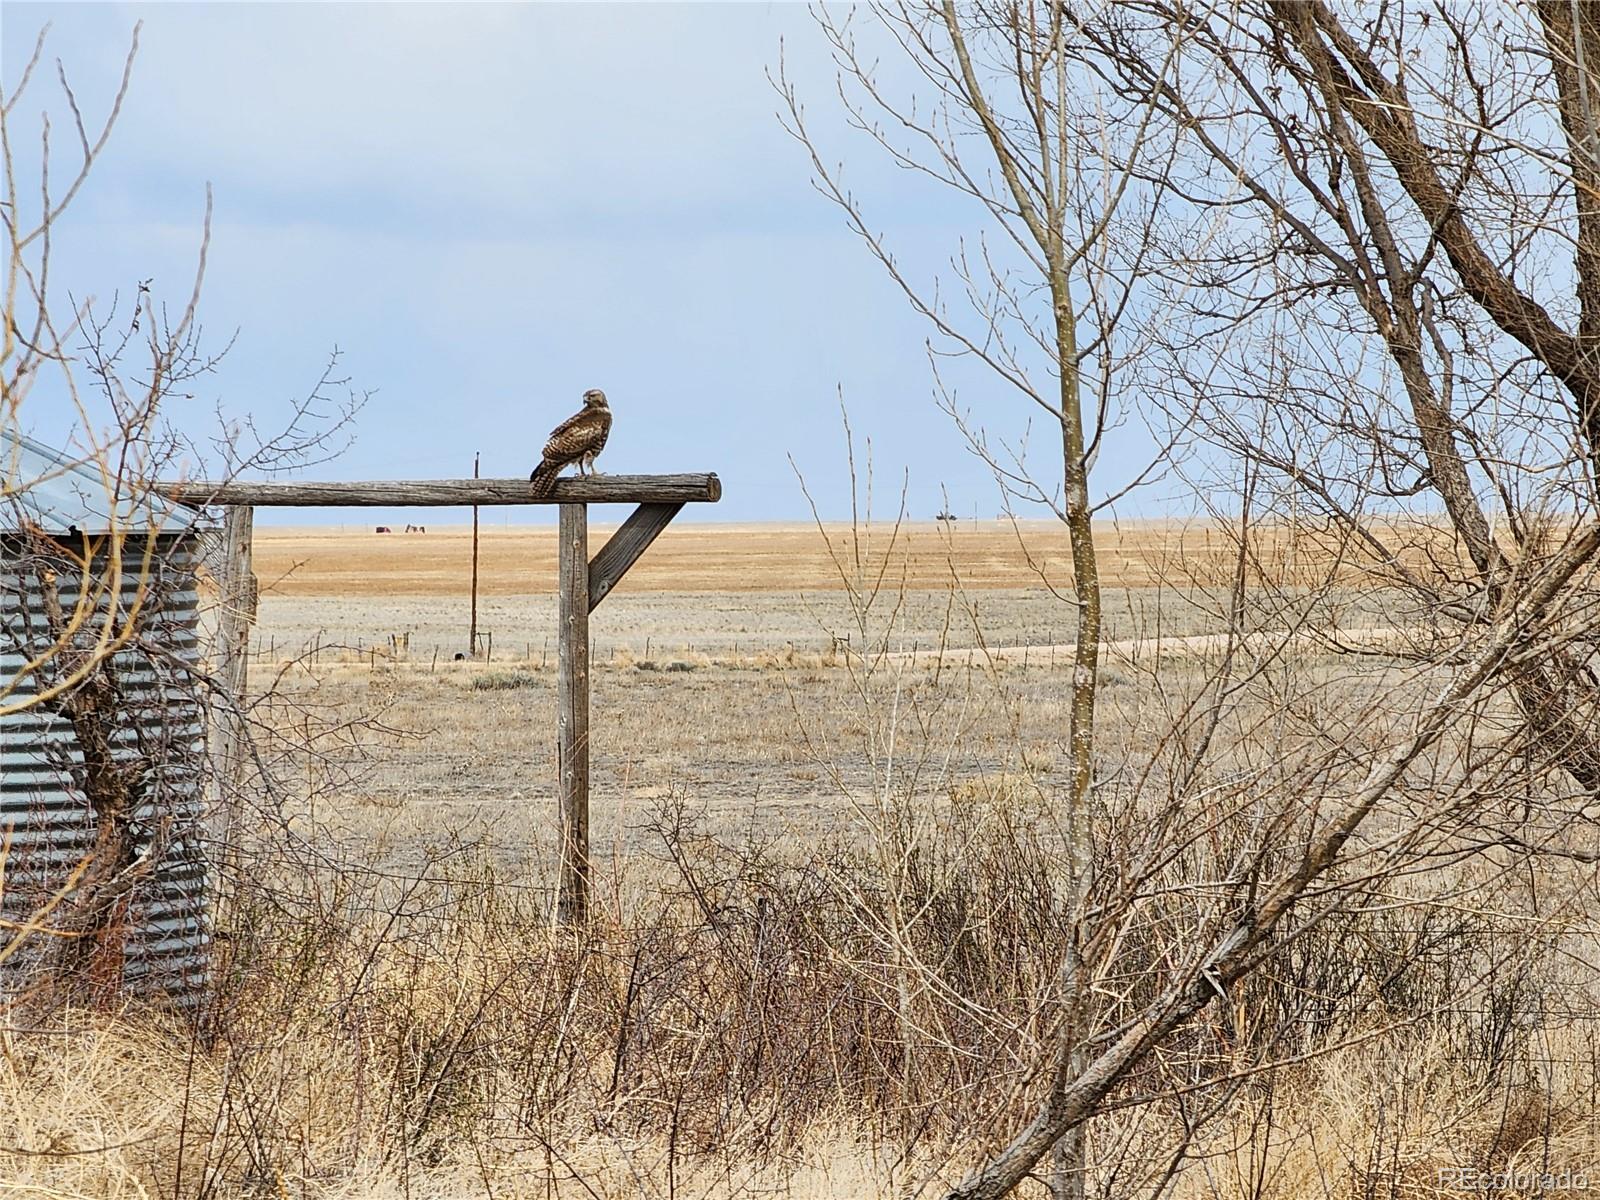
1044	308
1218	215
1411	220
101	618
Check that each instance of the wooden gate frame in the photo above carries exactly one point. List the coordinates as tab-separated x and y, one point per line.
582	583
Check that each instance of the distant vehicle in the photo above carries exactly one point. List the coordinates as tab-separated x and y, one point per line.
383	529
947	516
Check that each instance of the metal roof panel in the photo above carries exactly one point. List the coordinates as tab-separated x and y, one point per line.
61	492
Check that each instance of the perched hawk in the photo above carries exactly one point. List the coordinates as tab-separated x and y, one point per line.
578	439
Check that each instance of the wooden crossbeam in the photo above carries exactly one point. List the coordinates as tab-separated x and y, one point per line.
444	493
631	540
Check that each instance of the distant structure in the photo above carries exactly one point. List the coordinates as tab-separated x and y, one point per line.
100	785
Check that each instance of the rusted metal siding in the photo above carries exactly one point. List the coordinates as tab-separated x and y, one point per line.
159	720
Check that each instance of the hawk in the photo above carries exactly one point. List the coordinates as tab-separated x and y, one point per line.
578	439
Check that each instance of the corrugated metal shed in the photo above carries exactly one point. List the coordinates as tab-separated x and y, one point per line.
152	722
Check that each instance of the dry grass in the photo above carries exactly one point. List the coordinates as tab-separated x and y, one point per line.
1387	1118
441	1041
395	1016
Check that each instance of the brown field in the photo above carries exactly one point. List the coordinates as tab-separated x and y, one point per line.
725	590
732	627
723	665
713	557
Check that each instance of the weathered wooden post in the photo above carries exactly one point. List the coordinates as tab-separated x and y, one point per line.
572	710
236	597
472	624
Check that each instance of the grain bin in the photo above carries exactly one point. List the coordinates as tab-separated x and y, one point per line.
101	782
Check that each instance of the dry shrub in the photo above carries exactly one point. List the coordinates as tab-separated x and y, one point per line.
729	1024
501	681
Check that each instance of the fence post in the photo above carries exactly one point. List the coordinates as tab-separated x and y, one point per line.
572	706
236	585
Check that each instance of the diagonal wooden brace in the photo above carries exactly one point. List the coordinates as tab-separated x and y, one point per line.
625	547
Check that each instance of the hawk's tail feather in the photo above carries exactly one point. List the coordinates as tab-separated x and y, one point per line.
543	480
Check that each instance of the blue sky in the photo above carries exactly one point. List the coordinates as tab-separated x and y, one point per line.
490	208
